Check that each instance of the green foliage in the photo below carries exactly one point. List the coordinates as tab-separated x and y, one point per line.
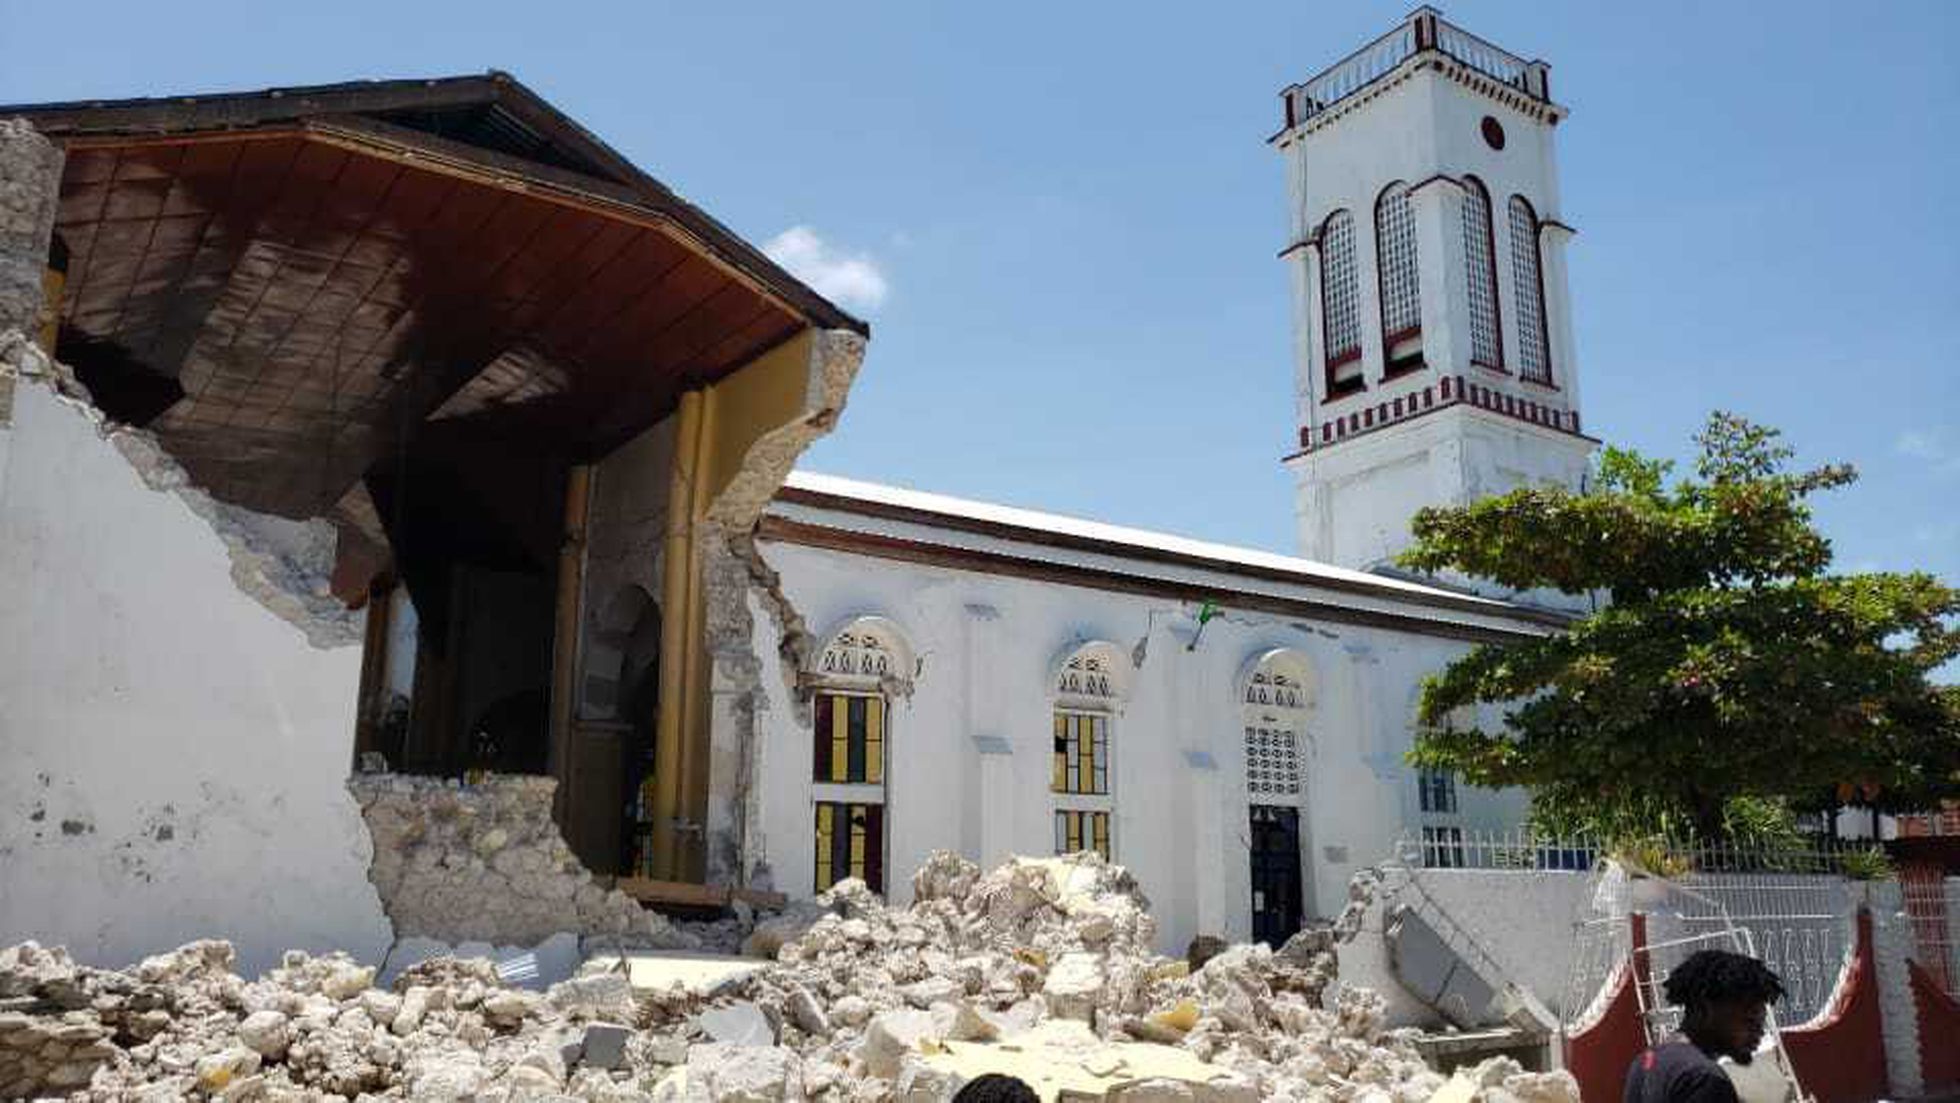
1866	865
1728	664
1652	856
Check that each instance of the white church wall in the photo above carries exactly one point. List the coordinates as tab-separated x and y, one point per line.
176	754
987	645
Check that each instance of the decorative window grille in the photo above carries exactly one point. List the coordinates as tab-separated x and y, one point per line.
1272	762
1081	754
1075	831
856	654
1340	303
1437	791
1442	848
1534	353
849	745
1275	688
1480	264
850	843
1086	675
1395	244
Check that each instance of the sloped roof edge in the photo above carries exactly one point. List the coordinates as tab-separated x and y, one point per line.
160	115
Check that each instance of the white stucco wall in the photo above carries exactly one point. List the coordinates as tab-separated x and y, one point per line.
175	753
987	645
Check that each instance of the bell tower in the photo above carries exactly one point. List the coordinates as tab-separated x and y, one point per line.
1432	333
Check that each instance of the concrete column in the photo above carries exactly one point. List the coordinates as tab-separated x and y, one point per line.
997	793
1442	274
1552	240
1207	844
30	186
1892	945
1309	336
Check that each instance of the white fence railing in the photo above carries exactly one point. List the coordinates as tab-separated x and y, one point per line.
1424	30
1449	847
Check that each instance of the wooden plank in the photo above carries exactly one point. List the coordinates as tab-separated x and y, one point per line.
687	894
756	898
682	893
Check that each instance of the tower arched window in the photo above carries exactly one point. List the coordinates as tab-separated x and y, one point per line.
1401	299
1340	304
851	680
1528	286
1480	266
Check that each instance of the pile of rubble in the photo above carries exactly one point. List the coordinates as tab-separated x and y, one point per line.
1043	968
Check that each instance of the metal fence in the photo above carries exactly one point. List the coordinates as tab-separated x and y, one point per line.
1793	906
1932	903
1448	847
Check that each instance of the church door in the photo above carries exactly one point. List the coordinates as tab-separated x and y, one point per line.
1275	874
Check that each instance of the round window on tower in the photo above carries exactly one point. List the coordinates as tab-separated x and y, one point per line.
1493	133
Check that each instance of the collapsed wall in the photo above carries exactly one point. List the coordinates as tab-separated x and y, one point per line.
175	751
485	862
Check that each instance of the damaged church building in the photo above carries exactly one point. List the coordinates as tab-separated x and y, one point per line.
400	539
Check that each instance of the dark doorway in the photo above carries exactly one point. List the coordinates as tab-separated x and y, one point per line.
1275	874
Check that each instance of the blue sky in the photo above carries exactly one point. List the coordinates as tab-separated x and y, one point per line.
1062	218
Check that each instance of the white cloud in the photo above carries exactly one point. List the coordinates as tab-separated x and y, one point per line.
1931	448
1920	446
847	279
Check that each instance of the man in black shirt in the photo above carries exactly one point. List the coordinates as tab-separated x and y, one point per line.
1725	999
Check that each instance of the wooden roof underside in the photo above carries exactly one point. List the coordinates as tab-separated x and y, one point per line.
293	296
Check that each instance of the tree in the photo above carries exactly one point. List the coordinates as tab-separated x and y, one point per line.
1727	661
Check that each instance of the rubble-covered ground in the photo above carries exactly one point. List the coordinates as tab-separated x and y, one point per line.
1041	967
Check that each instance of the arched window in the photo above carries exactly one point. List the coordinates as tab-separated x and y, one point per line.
851	678
1274	700
1395	254
1528	286
1480	266
1340	304
1089	682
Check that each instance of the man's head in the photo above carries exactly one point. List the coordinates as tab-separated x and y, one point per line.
1726	1000
995	1088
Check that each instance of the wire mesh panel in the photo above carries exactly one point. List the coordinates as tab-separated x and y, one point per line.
1395	244
1480	265
1930	901
1534	352
1800	925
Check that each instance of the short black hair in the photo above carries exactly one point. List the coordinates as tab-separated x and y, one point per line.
995	1087
1716	976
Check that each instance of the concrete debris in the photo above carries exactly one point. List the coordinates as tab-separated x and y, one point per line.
485	862
1042	968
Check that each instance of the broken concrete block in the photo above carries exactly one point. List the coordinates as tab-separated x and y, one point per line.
745	1074
221	1068
741	1024
604	1045
266	1033
890	1037
1073	985
806	1012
